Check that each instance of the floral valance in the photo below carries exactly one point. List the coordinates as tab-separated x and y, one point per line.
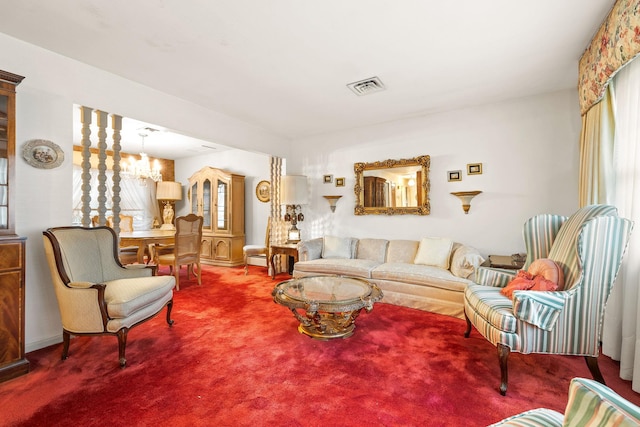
616	43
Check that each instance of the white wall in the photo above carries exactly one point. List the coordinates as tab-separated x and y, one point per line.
528	148
44	103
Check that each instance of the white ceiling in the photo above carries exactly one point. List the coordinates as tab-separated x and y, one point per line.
284	64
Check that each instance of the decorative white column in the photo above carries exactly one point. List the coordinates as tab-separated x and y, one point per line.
116	124
85	118
101	120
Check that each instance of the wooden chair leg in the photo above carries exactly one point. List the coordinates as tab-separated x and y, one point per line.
66	338
592	363
503	355
122	344
246	265
169	307
467	332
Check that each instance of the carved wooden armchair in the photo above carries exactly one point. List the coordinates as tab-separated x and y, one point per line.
96	294
589	247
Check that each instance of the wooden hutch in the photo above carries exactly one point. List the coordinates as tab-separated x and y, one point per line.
12	248
218	196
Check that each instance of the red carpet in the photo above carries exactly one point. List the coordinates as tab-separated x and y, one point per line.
235	358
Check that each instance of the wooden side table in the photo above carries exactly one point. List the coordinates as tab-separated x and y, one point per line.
291	250
504	261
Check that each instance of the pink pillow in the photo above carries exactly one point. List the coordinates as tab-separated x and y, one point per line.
549	270
542	275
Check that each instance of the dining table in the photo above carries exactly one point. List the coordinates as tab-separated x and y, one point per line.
143	238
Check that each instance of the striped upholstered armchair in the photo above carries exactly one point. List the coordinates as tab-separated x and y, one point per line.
589	404
589	247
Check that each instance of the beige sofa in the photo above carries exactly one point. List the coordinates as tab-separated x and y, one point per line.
430	274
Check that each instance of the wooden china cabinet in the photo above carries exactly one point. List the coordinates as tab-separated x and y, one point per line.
374	192
12	248
218	196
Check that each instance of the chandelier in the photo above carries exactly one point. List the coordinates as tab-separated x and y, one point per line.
141	169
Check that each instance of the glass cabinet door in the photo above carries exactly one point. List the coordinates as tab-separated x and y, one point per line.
222	208
4	161
206	204
195	194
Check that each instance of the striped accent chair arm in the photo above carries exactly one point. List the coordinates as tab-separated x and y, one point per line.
594	404
496	277
539	233
590	403
540	417
541	309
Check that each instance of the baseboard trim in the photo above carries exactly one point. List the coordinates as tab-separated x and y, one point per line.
37	345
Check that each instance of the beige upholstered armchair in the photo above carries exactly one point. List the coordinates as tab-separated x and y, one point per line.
588	246
96	294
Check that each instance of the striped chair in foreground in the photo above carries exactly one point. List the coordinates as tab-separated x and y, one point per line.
588	246
590	404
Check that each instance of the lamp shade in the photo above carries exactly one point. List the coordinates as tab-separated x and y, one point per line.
169	190
293	190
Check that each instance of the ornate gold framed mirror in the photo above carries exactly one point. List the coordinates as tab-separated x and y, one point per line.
393	187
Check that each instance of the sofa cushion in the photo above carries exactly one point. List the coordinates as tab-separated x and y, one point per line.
402	251
420	275
434	251
127	296
465	260
336	247
372	249
346	267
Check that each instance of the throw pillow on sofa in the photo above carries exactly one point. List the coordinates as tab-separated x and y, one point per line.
464	261
434	251
336	247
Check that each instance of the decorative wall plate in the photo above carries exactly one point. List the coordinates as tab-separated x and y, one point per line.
42	154
263	191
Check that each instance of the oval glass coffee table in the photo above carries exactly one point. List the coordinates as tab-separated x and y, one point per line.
330	304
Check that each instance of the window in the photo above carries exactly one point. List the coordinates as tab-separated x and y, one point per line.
136	200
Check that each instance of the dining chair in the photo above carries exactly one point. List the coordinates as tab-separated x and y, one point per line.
186	250
257	250
128	254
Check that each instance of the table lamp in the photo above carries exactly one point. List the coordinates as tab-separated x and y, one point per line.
293	193
168	192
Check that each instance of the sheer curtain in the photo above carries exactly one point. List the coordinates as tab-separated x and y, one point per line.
621	334
596	153
136	200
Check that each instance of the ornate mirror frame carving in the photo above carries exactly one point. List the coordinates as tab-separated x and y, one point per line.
423	208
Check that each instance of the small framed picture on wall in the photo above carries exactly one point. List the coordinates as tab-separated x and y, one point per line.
454	176
339	182
474	169
328	179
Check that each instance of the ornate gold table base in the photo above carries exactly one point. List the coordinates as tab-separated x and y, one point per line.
325	326
327	306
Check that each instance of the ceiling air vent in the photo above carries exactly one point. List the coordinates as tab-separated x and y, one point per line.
366	86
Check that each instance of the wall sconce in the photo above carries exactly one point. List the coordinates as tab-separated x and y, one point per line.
465	197
332	201
168	191
293	194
